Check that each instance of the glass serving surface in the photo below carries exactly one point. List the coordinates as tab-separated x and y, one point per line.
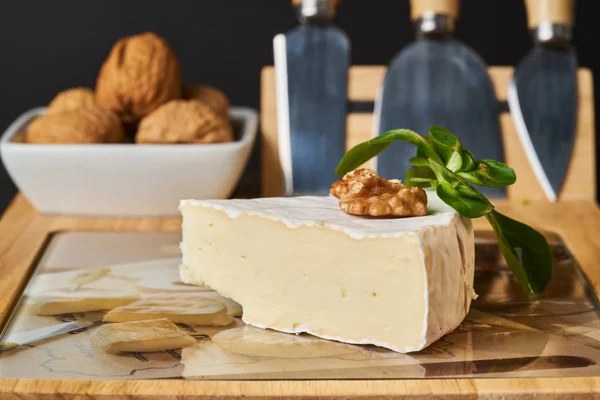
504	335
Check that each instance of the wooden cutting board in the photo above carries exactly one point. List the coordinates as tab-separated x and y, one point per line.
24	235
503	336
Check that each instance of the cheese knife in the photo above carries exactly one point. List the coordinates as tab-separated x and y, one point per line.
543	93
437	80
17	339
311	72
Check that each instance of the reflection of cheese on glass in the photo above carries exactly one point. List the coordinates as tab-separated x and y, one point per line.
65	302
251	341
301	265
180	309
140	336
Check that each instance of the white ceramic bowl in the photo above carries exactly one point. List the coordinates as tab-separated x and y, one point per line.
125	179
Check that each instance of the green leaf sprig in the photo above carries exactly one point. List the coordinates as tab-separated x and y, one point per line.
443	164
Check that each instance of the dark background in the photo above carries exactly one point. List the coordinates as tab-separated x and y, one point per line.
49	46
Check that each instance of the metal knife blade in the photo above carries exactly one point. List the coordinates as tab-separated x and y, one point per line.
311	69
21	338
438	81
543	101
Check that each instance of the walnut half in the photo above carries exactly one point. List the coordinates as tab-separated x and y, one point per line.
363	192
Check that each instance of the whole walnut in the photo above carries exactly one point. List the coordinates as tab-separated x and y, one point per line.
184	121
85	125
72	99
140	74
209	95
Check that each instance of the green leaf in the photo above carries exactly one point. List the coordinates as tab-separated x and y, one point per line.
463	200
444	142
466	200
490	173
526	251
420	153
441	162
455	162
443	174
468	161
420	176
363	152
419	161
358	155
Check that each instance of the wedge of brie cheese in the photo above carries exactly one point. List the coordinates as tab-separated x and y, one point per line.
301	265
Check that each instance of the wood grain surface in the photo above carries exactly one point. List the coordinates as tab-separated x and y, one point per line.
23	234
365	81
556	11
419	7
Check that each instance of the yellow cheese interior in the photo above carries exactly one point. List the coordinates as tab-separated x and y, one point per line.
310	279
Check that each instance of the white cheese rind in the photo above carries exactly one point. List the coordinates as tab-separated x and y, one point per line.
396	283
315	211
450	263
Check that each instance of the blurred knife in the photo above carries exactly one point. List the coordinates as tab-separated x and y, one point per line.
543	93
438	81
311	71
15	340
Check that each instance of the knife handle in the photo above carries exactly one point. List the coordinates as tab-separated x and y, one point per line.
553	11
296	3
420	7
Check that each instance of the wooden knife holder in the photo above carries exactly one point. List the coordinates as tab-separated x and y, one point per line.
363	85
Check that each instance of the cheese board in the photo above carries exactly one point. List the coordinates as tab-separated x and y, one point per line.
503	335
506	346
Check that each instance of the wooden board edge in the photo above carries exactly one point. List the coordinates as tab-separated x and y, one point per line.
467	388
16	270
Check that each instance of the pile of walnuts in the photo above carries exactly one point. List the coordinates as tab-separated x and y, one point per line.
138	91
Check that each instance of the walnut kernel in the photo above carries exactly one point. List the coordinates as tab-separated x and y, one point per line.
364	192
